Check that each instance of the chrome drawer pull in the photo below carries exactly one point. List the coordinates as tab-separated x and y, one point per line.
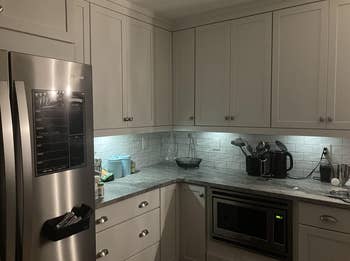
143	233
102	220
143	204
102	253
328	219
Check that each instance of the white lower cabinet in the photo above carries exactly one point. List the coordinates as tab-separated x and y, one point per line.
149	254
169	223
192	223
323	233
127	239
317	244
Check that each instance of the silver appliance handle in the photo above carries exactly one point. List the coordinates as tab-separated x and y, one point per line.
27	169
10	171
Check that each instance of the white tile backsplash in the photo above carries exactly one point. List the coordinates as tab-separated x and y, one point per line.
144	149
216	150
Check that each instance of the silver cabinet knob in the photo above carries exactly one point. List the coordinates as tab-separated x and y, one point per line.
1	8
322	119
227	118
232	118
131	118
143	204
143	233
102	253
330	119
101	220
201	195
125	119
191	118
328	219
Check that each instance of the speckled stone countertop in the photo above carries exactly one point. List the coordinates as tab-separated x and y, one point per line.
167	173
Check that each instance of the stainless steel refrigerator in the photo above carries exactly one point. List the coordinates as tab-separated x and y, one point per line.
46	160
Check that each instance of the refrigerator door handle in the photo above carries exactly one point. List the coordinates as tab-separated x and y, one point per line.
27	169
10	172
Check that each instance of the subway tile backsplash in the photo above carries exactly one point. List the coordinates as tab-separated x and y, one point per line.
144	149
216	150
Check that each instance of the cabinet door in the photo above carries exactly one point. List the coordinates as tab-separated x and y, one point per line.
213	74
50	18
183	75
169	225
192	223
138	73
322	245
107	32
339	66
149	254
251	71
81	14
300	53
162	77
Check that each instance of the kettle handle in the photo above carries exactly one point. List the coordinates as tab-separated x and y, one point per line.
290	160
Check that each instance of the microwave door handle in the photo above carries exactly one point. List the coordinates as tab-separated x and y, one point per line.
7	140
26	168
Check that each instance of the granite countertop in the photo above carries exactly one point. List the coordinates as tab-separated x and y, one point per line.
164	174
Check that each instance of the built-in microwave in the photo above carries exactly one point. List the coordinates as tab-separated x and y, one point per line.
260	223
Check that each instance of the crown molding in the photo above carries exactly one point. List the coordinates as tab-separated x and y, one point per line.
235	12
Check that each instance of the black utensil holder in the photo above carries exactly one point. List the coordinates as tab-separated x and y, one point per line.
52	233
253	166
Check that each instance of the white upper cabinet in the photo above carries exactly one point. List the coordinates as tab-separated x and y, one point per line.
251	71
300	55
50	18
81	21
183	76
213	74
107	32
338	116
162	77
138	73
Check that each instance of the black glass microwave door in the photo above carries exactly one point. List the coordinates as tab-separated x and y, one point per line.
236	219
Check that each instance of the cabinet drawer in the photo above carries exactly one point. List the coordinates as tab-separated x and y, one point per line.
324	217
149	254
129	238
124	210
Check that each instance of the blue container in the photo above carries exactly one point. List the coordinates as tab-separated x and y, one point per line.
115	166
125	163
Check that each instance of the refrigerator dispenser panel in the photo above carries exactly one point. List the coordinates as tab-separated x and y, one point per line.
59	130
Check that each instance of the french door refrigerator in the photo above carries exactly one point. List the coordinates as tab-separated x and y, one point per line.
46	160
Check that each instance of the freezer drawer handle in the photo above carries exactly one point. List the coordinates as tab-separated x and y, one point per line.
143	204
102	253
101	220
71	223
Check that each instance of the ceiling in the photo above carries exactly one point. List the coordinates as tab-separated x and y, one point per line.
175	9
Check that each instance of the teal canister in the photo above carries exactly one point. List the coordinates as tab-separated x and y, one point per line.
126	164
115	166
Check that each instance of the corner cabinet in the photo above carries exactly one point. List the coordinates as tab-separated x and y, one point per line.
48	18
163	91
107	34
300	56
183	76
192	223
234	73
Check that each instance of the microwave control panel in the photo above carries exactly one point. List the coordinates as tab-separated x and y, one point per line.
59	130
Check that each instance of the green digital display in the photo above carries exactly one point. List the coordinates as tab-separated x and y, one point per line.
279	217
